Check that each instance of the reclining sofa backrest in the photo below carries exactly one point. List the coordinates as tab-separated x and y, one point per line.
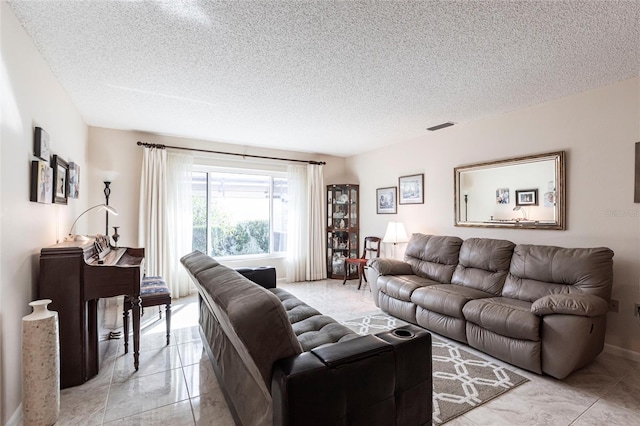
433	256
538	271
246	312
483	264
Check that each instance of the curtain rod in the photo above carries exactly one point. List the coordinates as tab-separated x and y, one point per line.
160	146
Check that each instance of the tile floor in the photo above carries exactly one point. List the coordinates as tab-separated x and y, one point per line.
175	384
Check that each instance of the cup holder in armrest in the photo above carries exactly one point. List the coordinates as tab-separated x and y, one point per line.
403	333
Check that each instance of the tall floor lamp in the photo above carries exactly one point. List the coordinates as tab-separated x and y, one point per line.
107	192
395	234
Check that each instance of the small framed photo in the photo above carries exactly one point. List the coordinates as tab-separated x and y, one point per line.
502	196
74	180
411	189
60	180
41	147
41	182
386	200
527	197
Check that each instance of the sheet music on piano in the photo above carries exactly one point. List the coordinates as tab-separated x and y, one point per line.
102	246
109	258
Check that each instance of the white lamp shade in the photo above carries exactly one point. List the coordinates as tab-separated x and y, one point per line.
395	233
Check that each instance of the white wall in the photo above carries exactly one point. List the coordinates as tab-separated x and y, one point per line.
598	130
115	153
31	96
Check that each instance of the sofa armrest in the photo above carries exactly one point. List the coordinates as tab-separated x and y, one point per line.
385	266
586	305
370	380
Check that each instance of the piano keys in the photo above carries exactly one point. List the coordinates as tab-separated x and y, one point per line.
74	277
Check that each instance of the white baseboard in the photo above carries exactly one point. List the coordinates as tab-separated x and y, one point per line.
624	353
16	417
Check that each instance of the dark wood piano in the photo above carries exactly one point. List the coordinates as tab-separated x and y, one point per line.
74	275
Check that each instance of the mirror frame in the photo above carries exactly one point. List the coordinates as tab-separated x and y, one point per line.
559	224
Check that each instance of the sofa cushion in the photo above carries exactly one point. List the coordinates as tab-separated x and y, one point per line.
521	353
296	309
446	299
506	317
311	327
398	308
433	256
445	325
402	286
483	264
538	271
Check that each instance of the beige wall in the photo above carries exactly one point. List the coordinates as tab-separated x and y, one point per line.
597	129
115	153
31	96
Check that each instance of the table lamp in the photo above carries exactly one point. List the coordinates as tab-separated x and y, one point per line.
72	237
395	234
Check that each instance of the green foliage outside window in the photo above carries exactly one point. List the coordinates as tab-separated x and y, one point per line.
246	237
249	237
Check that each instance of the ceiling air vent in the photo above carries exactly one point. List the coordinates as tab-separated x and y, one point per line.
440	126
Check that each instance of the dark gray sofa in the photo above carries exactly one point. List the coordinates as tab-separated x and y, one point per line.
541	308
281	362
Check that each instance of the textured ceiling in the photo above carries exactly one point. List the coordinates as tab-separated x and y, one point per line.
324	76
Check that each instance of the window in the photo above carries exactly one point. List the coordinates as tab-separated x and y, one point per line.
239	213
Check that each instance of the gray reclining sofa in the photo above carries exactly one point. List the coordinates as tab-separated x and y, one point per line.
541	308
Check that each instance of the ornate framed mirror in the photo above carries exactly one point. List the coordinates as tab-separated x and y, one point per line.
524	193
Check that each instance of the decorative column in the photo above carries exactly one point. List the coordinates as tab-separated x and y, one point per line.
40	366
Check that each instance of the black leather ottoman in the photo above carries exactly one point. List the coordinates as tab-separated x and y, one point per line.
262	275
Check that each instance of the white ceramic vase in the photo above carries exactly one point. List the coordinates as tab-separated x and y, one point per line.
40	366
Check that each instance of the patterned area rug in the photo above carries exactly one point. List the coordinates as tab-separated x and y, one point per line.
461	380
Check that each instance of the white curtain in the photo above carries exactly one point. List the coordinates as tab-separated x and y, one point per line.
298	220
316	265
153	205
179	221
305	242
165	216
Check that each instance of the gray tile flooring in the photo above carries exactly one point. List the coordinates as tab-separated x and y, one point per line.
175	384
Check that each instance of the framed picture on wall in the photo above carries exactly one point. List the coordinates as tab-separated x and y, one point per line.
74	180
526	197
502	196
411	189
60	180
41	182
386	200
41	147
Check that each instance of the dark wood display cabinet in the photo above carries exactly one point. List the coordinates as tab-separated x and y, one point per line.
342	229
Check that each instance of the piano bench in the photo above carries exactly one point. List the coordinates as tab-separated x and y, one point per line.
153	292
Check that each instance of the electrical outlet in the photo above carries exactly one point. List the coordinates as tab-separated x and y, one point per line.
636	310
614	305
